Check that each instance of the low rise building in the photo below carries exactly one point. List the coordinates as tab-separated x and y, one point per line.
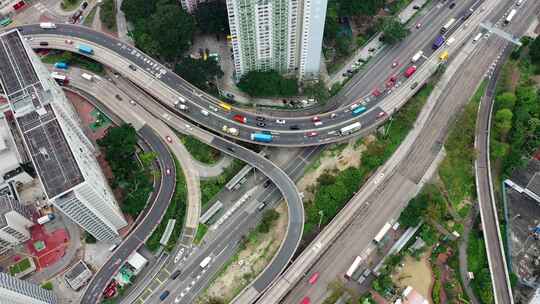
78	275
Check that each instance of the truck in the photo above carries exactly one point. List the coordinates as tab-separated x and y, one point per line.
438	42
87	76
448	25
204	263
47	25
510	16
45	219
353	267
417	56
409	71
443	56
380	235
261	137
232	131
61	65
86	49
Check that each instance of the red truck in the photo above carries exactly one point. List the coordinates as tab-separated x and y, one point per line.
410	70
240	118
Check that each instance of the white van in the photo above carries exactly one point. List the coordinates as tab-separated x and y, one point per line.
204	112
417	56
450	41
477	37
205	262
87	76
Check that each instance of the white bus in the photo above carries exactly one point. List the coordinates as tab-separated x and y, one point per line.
47	25
510	16
353	267
382	232
448	25
350	128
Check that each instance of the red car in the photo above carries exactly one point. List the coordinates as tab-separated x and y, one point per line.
376	92
315	118
410	70
168	138
305	300
391	81
240	118
313	279
311	134
381	114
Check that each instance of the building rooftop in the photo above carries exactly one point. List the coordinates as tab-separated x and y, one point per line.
47	146
8	204
78	275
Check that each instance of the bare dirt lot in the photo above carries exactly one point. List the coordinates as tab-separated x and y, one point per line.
249	262
415	273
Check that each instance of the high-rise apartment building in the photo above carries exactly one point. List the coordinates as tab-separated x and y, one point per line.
281	35
15	219
189	5
61	154
16	291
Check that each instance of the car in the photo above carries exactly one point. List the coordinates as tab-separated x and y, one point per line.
452	5
168	171
132	102
164	295
381	114
315	118
261	124
312	134
416	7
376	92
118	97
261	206
333	115
305	300
354	106
260	118
294	127
132	67
280	121
168	138
418	25
395	64
43	43
313	279
84	5
317	123
175	274
267	183
69	41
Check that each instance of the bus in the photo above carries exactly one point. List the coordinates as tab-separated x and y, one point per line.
350	128
61	65
86	49
510	16
448	25
225	106
382	232
353	267
358	111
60	78
205	262
5	22
261	137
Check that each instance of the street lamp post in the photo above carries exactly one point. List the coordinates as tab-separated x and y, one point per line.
321	213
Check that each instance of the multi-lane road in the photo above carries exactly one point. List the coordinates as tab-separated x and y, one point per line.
295	130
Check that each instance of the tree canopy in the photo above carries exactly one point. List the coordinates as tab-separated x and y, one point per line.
266	84
198	72
534	50
355	7
393	30
212	17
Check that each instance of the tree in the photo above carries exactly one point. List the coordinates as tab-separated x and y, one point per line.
534	50
503	121
119	144
355	7
506	100
266	84
269	217
199	72
343	44
212	17
135	10
393	30
331	25
107	14
172	29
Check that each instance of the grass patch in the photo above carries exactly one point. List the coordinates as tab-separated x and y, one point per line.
212	186
107	14
20	266
334	191
456	170
74	59
199	150
176	210
70	5
47	285
201	232
90	17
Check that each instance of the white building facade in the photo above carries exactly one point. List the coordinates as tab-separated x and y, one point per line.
16	291
281	35
15	219
63	157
